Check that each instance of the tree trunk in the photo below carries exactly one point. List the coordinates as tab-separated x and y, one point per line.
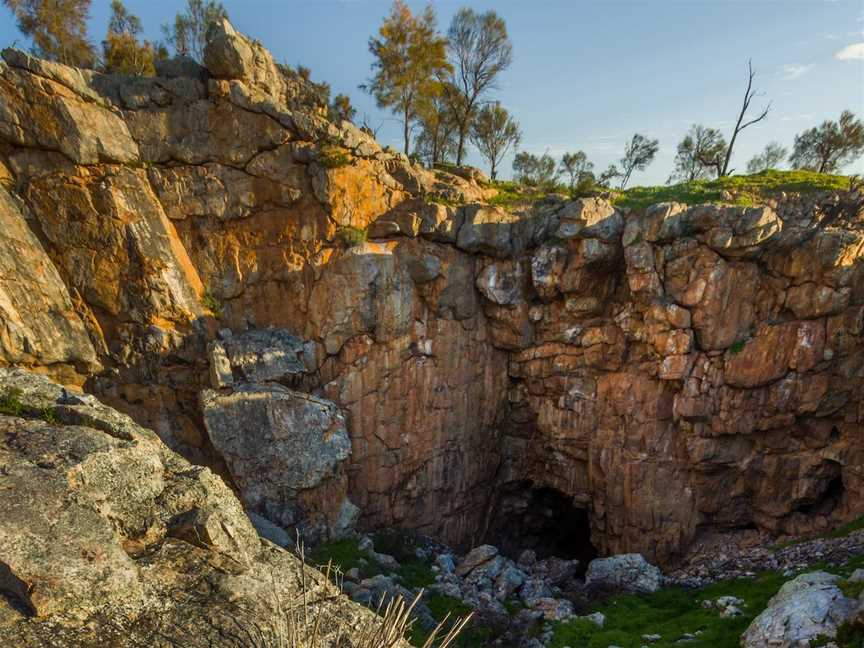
462	130
407	133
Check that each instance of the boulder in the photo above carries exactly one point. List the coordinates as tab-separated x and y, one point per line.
281	447
623	573
590	218
476	557
809	606
228	54
486	230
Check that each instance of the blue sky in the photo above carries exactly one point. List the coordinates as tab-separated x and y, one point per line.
588	74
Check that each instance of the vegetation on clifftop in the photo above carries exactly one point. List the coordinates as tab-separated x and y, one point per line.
744	190
738	190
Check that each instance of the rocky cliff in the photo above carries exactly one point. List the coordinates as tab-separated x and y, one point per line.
351	339
111	539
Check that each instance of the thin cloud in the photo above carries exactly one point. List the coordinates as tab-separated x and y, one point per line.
794	71
852	52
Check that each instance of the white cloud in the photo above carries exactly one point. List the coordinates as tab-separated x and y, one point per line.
851	52
794	71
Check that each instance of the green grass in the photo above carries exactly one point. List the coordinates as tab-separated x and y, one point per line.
673	612
746	190
441	607
511	194
413	573
846	529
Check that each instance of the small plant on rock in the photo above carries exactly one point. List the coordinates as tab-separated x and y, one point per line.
333	157
348	236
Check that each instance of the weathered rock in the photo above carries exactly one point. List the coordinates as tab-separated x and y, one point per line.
39	322
486	230
260	355
284	450
476	557
623	573
141	529
805	608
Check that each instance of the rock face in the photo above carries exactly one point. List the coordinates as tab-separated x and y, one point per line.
805	608
110	538
669	371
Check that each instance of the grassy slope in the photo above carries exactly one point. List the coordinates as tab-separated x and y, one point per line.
745	190
673	612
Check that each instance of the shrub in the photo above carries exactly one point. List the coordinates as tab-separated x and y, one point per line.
348	236
333	157
209	301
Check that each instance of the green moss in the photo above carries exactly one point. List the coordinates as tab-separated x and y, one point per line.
746	190
673	612
348	236
12	405
737	347
333	157
209	301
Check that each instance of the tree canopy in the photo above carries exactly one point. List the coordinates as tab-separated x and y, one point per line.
188	33
700	154
638	154
479	50
770	158
121	51
829	146
58	29
494	132
409	59
533	170
577	167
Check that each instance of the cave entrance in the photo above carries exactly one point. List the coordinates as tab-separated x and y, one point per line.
543	519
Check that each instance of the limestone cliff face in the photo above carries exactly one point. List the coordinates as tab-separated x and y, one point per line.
177	246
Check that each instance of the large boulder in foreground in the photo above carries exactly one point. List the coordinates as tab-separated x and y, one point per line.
623	573
805	608
285	451
108	538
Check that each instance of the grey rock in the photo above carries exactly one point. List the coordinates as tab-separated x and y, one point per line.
806	607
258	355
269	531
475	558
181	67
486	230
501	283
276	443
623	573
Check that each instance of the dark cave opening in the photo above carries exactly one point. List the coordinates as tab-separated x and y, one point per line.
542	519
827	500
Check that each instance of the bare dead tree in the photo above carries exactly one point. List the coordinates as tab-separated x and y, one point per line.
740	125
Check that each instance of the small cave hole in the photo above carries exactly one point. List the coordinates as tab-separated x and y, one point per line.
542	519
827	501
